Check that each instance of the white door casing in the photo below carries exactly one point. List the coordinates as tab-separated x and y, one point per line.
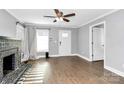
103	41
64	42
98	44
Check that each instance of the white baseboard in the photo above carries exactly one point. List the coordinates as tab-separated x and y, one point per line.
84	57
67	55
62	55
40	57
72	55
114	71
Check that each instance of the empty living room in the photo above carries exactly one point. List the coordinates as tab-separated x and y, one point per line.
61	46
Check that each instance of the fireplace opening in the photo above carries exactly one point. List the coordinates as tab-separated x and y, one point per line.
8	64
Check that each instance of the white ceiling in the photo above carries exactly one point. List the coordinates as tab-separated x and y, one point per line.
35	16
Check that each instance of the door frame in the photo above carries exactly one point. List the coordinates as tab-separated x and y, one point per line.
91	39
59	43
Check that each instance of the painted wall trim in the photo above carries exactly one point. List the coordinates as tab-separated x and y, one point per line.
12	14
88	59
114	70
90	38
106	14
72	55
62	55
83	57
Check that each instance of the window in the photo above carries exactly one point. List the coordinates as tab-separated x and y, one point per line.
64	35
42	40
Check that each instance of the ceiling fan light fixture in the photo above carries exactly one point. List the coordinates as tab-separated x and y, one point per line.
59	19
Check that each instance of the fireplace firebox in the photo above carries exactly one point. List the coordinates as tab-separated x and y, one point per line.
8	64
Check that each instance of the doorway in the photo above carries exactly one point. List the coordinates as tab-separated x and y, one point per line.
64	42
97	41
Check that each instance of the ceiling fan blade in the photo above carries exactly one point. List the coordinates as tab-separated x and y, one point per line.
50	16
56	11
69	15
66	20
55	21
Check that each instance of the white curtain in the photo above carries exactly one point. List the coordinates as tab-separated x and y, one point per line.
22	34
19	32
29	38
32	43
25	46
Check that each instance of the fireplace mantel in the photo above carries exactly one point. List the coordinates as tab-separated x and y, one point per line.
8	47
7	52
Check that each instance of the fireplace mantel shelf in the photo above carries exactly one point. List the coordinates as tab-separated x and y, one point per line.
7	48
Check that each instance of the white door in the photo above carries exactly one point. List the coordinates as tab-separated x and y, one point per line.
64	42
98	44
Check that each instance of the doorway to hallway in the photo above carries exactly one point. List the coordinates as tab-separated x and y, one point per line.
97	41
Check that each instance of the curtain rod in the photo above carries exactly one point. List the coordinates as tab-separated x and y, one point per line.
42	28
20	24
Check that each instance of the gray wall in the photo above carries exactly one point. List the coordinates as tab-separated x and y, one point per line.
114	52
83	41
7	24
74	41
54	39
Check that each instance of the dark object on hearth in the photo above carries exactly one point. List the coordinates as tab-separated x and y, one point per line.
47	55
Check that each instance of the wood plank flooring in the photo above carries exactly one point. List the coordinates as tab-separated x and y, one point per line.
70	70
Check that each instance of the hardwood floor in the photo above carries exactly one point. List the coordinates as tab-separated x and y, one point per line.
74	70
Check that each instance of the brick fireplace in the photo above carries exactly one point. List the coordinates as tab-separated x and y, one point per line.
11	67
8	61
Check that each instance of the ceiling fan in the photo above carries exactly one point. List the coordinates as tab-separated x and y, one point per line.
60	16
